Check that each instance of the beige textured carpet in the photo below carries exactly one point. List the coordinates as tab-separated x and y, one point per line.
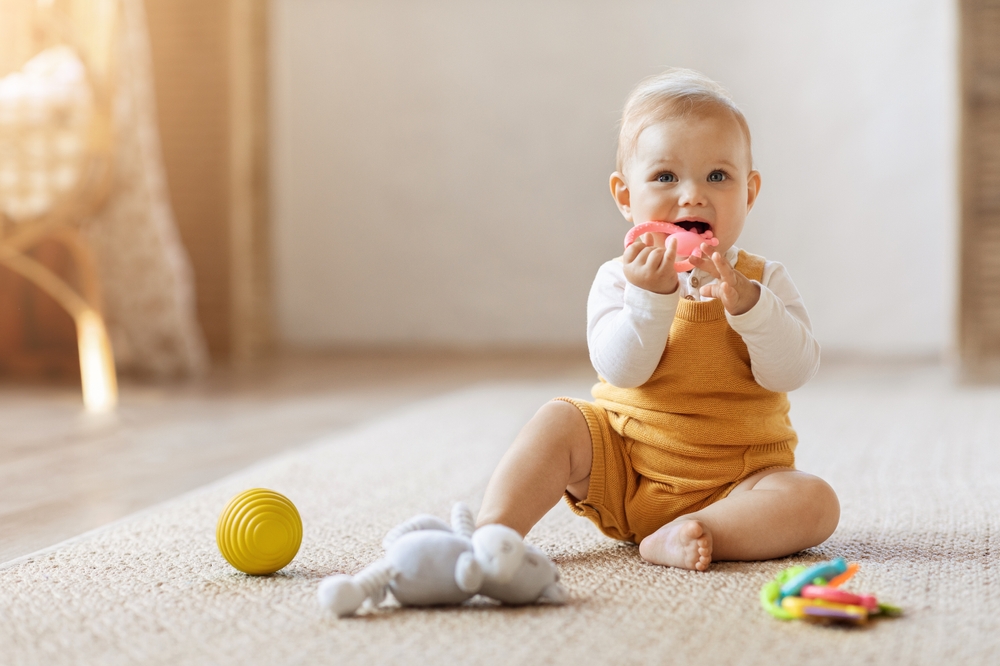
917	465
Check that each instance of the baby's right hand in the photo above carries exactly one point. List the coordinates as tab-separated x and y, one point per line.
650	267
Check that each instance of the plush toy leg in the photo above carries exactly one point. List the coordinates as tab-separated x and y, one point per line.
462	522
554	593
423	522
468	573
344	594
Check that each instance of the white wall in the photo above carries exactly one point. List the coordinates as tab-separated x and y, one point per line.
440	167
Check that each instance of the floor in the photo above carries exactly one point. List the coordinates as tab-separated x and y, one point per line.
64	472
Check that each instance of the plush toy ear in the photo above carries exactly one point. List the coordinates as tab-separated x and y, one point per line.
421	522
468	573
462	521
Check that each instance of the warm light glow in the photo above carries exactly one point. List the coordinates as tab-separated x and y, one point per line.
97	369
56	97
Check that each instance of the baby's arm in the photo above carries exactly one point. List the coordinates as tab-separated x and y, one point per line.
627	327
771	319
784	354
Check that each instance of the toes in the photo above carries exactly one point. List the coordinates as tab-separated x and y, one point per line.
704	560
686	544
703	563
693	530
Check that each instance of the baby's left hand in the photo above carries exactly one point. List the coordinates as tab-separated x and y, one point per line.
737	293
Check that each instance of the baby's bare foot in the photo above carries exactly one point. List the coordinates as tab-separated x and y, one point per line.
683	543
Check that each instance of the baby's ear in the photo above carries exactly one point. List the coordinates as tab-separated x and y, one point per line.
620	193
753	188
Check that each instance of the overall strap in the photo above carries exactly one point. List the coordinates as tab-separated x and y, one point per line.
750	265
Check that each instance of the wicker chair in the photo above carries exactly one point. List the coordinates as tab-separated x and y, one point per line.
56	155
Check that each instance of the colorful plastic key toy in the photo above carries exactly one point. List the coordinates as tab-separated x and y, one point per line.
688	242
813	593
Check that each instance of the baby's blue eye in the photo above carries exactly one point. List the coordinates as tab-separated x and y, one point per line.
666	178
716	176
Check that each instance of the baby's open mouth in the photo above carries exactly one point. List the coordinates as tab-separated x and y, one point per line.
697	227
690	235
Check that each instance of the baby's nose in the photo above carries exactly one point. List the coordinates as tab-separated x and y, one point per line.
690	193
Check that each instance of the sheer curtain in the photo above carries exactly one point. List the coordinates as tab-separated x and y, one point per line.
148	285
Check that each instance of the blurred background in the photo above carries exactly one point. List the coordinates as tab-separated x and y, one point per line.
440	170
285	199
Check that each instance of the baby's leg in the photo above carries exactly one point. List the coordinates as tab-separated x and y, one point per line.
774	513
552	454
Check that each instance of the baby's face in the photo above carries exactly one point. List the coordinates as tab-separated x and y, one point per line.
693	172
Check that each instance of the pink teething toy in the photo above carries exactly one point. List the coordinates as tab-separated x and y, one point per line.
688	242
839	596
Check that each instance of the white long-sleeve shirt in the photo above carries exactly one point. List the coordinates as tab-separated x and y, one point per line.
628	327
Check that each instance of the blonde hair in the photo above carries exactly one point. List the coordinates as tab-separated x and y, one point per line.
676	93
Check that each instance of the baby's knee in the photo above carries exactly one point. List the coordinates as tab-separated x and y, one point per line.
558	417
823	501
561	427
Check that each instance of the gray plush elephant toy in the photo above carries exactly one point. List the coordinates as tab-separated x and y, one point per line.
429	563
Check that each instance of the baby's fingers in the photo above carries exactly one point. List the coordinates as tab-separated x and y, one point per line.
725	271
632	251
651	258
706	261
645	254
730	297
671	255
722	291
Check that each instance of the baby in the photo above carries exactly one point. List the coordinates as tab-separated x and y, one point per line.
687	448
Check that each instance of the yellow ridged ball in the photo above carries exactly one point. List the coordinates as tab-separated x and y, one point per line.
259	531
